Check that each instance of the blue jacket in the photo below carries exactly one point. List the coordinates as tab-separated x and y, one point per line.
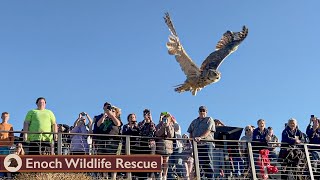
259	139
314	136
260	136
288	136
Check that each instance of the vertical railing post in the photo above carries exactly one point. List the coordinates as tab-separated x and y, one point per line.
308	161
59	143
128	142
253	168
196	159
128	145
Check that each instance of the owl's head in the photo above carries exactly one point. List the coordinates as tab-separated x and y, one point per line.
214	75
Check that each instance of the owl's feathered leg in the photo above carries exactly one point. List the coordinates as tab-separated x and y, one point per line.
182	87
194	91
186	87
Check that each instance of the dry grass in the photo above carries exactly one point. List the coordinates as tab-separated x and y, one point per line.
59	176
53	176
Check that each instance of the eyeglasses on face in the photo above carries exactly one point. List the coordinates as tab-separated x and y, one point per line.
247	129
202	110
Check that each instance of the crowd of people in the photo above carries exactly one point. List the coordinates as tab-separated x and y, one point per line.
151	137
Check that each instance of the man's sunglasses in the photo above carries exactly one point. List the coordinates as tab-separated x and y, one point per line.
202	110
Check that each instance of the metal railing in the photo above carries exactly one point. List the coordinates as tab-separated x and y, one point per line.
224	159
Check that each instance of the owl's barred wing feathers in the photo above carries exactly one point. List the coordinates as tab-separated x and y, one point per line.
225	40
227	44
229	37
174	46
169	23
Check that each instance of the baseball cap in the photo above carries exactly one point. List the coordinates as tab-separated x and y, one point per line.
146	111
202	108
106	103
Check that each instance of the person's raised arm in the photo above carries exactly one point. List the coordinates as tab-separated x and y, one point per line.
76	122
170	131
159	130
176	127
101	120
22	152
112	115
90	123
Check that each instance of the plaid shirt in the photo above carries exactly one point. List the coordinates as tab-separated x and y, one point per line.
147	129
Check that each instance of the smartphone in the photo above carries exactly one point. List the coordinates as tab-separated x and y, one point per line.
312	116
109	107
165	120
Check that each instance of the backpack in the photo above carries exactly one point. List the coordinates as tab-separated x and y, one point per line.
295	158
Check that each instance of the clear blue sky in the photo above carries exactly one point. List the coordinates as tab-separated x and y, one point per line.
79	54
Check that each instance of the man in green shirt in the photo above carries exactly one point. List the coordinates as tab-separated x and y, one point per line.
40	121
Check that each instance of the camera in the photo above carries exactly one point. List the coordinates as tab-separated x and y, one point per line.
109	107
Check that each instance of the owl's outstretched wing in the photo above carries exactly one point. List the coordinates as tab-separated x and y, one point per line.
227	44
174	46
229	38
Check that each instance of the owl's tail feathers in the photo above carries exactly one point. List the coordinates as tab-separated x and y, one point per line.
173	45
186	87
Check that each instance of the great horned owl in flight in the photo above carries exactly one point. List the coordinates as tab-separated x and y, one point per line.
198	78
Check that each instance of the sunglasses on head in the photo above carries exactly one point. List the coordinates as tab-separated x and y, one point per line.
202	110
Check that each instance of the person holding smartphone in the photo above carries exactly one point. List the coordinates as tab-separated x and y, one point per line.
147	129
132	129
313	132
164	130
79	144
109	123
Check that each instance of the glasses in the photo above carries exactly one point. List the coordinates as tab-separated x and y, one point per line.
247	129
202	110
